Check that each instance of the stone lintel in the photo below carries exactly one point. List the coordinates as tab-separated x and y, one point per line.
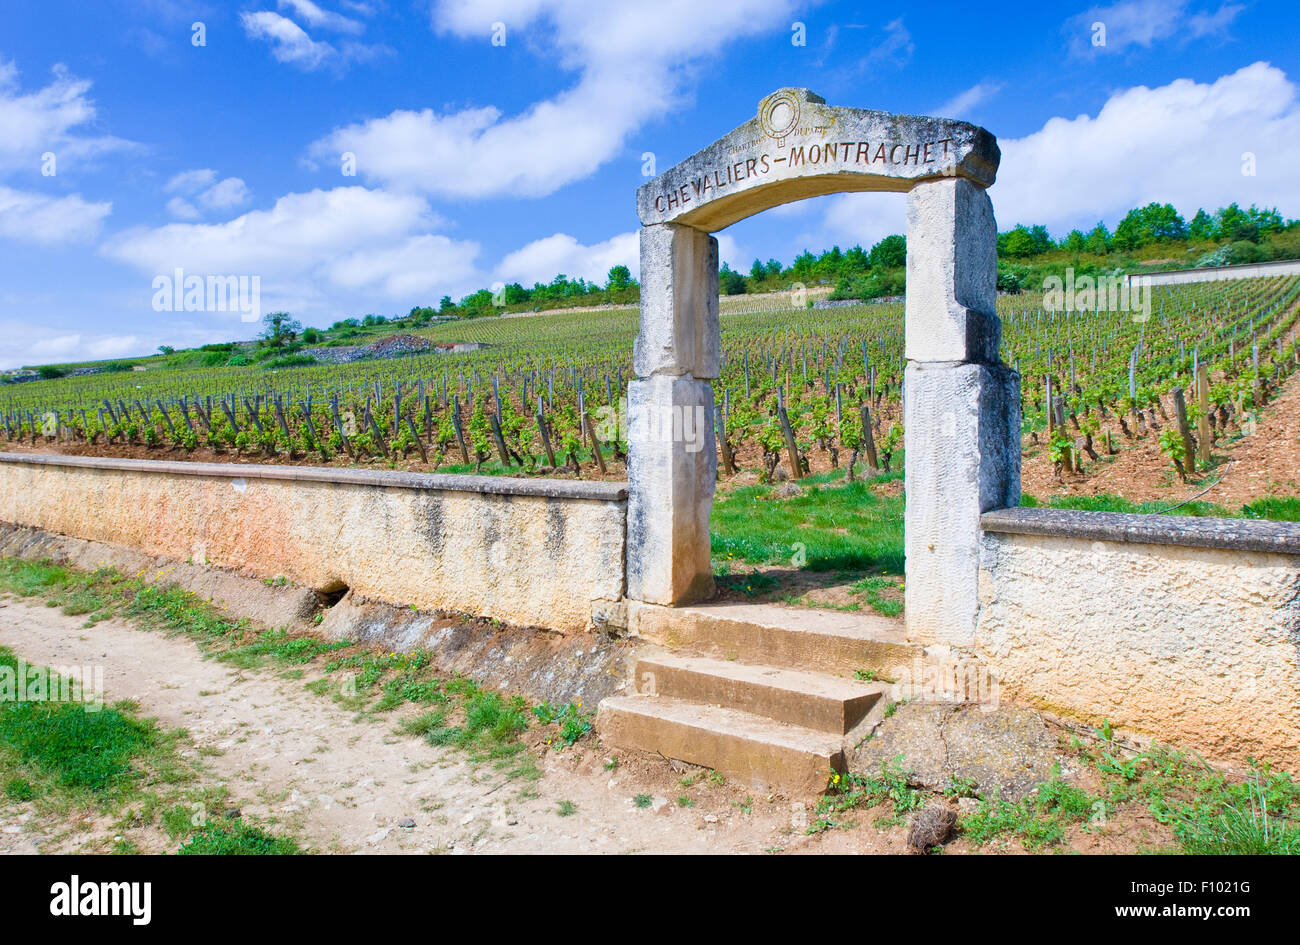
797	146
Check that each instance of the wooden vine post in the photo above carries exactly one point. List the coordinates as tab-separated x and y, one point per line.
1189	445
1203	422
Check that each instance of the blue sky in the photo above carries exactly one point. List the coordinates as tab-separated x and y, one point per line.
479	162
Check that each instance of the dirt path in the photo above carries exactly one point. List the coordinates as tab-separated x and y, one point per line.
344	783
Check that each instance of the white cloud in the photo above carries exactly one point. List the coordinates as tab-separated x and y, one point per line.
894	47
631	70
202	187
231	192
289	42
1181	143
425	265
1145	23
36	218
32	123
24	343
317	253
188	182
864	219
542	260
113	346
961	104
182	209
315	16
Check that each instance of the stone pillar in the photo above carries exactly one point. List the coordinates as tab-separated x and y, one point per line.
672	461
961	406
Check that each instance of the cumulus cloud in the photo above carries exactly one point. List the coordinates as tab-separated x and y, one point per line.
1144	23
36	218
291	44
200	186
182	209
543	259
23	342
231	192
1181	143
316	252
32	123
315	16
630	70
188	182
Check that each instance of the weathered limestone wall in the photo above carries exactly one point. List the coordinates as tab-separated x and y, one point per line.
1196	646
528	552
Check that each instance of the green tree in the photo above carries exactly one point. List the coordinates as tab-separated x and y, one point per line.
1098	239
889	253
1201	227
620	277
1234	224
1020	242
730	282
279	329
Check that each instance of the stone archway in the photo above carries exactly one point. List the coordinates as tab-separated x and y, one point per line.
961	406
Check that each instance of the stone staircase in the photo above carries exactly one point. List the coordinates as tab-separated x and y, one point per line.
764	694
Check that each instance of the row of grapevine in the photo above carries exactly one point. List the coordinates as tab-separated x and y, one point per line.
800	390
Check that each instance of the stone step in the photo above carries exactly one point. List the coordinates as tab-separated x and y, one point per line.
811	700
790	637
757	752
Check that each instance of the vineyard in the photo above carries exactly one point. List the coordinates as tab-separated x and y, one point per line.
802	392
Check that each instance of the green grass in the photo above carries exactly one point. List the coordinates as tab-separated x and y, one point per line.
853	790
870	588
79	749
484	723
65	759
1038	820
1208	811
236	839
831	525
1282	509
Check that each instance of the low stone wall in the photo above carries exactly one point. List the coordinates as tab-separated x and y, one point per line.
1279	267
531	552
1183	629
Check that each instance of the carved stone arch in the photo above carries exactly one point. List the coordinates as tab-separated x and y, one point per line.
961	405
